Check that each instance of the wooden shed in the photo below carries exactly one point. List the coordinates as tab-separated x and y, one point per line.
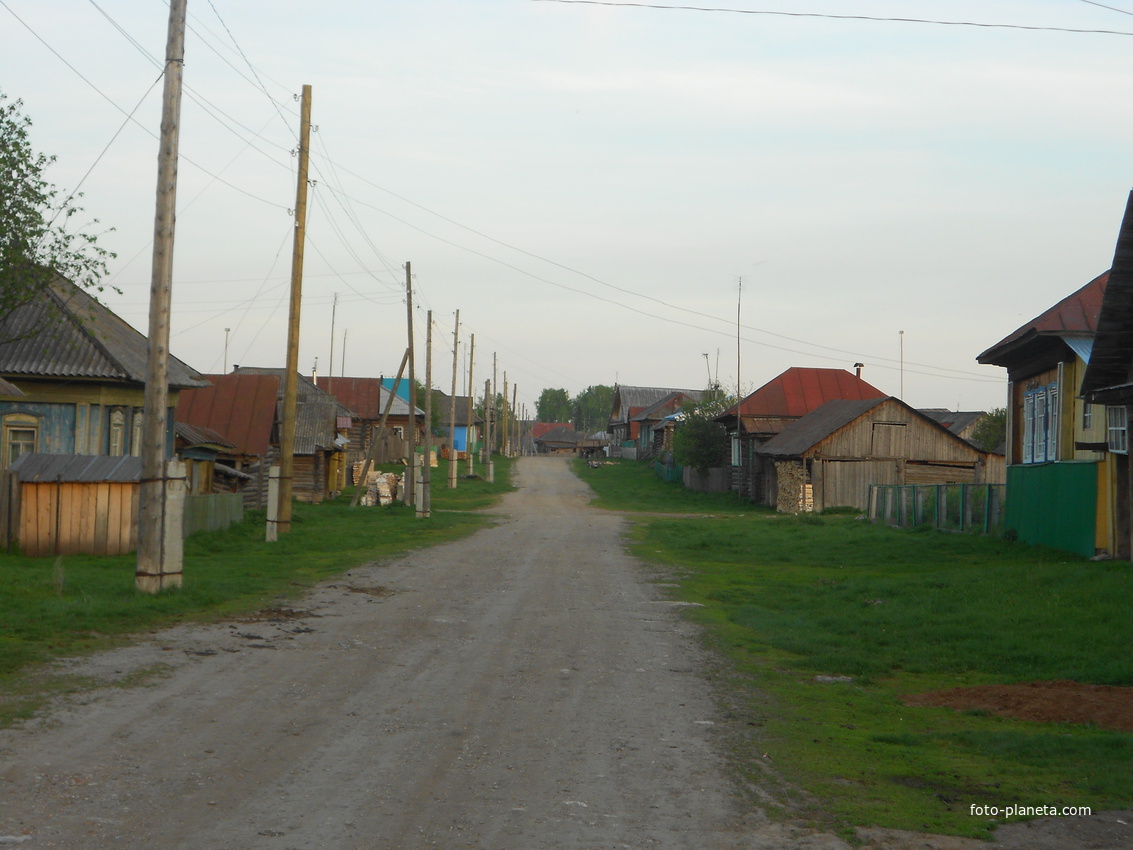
71	504
831	456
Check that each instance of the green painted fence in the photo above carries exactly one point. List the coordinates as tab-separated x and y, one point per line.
212	512
1054	504
975	508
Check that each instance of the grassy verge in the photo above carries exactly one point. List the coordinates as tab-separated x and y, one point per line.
624	485
55	607
790	599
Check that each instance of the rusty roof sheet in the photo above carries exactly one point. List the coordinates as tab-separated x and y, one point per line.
39	467
1075	315
66	333
242	407
629	401
799	390
366	397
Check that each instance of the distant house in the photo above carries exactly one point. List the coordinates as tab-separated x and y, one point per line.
769	410
831	456
78	375
561	440
1060	474
367	399
656	423
466	431
628	403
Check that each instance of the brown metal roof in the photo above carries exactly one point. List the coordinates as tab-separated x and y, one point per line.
1075	315
65	333
241	407
799	390
198	435
366	397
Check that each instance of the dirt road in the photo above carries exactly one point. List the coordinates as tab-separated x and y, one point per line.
524	688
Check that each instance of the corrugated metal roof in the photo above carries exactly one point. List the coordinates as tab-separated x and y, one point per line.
65	333
1075	315
563	435
954	420
198	435
465	409
38	467
541	428
241	407
765	424
799	390
366	397
663	407
629	401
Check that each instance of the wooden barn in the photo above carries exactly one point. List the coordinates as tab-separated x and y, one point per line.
366	399
831	456
772	408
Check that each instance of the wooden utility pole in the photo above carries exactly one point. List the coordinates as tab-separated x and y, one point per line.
453	463
471	393
410	484
160	546
330	368
291	371
515	419
427	469
493	427
487	429
504	431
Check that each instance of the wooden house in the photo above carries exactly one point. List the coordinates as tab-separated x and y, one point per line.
831	456
1060	473
628	403
1108	385
241	408
558	441
769	410
366	400
656	423
78	372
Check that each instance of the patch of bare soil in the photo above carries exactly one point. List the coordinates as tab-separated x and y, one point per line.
1061	701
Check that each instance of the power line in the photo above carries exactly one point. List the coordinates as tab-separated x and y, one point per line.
872	18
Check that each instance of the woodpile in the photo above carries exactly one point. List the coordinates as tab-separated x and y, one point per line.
795	493
381	487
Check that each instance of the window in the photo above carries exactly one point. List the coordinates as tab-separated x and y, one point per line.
1117	420
1040	424
21	436
1087	416
735	449
117	433
136	434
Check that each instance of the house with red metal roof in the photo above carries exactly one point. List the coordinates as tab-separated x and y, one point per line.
1060	473
773	407
367	399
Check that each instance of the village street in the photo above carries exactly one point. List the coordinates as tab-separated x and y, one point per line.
524	688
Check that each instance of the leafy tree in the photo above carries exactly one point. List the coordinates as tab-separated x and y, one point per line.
35	242
553	406
699	441
591	408
991	432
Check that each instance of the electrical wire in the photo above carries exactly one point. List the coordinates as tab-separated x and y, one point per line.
871	18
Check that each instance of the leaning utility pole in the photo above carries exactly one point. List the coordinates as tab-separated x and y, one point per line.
291	371
453	463
471	393
410	484
160	545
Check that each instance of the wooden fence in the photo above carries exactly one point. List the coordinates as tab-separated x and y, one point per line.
92	517
977	508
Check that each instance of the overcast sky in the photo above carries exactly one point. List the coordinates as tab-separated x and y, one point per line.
588	184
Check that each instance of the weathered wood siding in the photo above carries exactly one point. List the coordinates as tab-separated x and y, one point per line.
893	431
96	518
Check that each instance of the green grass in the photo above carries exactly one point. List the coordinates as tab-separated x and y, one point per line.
626	485
787	599
51	608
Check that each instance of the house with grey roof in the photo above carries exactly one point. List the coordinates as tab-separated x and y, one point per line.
72	378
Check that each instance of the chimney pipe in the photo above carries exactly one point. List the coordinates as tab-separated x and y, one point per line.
858	369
